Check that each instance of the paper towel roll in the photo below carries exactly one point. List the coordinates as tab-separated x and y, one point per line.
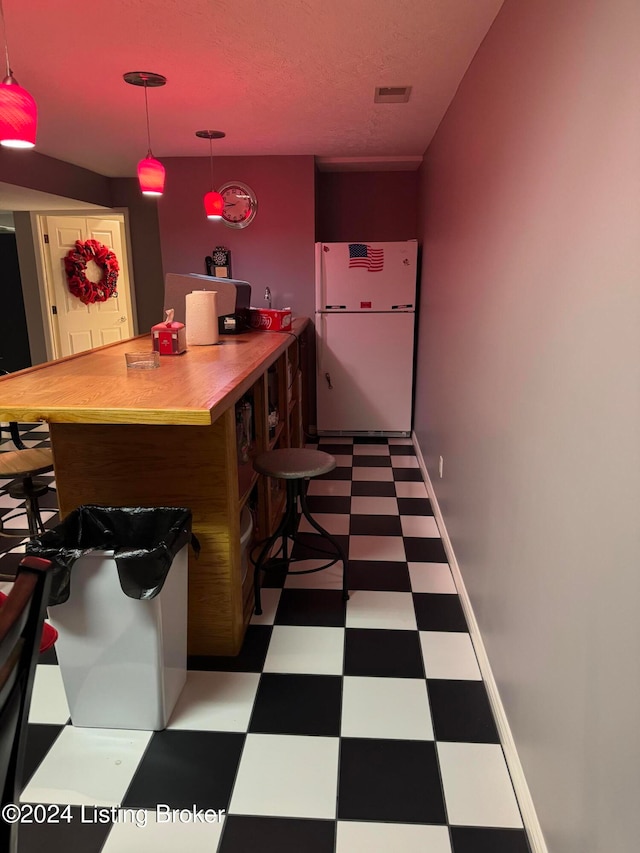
201	317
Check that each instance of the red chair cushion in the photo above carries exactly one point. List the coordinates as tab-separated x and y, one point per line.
49	633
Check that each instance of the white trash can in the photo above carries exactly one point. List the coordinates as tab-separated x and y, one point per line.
123	661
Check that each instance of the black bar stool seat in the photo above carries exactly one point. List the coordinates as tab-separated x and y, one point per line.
296	466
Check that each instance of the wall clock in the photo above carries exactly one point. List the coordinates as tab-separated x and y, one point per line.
240	204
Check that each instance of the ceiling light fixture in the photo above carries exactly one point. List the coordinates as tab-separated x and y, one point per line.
18	110
150	171
213	201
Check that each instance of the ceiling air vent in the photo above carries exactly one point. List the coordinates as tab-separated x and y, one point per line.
392	94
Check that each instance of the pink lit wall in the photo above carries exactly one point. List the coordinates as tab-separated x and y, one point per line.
528	380
276	250
145	248
361	206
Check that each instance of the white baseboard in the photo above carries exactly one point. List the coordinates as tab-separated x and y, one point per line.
523	795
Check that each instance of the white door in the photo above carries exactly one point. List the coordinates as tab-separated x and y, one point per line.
366	276
78	327
365	372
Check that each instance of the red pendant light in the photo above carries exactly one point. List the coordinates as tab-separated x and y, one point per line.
213	201
18	110
151	172
213	205
151	176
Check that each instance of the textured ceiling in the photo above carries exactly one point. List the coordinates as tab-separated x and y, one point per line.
278	76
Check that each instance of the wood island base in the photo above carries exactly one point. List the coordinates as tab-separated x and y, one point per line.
169	437
143	465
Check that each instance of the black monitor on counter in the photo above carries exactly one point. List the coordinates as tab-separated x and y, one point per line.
234	298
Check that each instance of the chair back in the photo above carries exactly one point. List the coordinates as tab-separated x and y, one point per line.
21	620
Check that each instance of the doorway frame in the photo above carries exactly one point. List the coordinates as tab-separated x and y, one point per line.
44	272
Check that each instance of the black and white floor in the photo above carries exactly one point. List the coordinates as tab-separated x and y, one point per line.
362	728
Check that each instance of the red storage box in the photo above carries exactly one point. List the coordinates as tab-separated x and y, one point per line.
270	319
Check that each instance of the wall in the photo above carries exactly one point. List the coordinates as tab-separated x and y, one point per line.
30	286
528	385
146	257
358	206
14	343
46	174
276	250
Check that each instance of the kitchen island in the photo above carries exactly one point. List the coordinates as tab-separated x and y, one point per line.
169	437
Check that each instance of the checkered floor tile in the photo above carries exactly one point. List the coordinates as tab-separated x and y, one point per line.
339	728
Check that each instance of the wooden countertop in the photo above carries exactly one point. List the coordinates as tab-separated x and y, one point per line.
96	387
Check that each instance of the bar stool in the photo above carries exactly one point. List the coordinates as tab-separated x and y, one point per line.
23	466
295	466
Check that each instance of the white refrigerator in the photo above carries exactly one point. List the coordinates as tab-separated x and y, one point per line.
365	325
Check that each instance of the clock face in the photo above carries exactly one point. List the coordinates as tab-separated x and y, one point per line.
240	204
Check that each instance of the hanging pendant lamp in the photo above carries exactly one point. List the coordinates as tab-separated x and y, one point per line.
151	172
18	110
213	201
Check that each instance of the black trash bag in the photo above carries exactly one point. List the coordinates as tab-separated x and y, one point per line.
144	541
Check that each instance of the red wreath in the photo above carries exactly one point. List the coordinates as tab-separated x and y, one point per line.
75	265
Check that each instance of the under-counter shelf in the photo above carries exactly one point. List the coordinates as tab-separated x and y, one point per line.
276	436
247	478
278	390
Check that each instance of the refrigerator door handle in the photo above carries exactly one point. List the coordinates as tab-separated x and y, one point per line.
327	376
